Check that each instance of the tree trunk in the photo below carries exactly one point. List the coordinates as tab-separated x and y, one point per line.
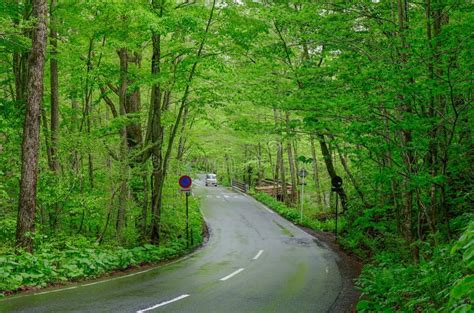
291	162
228	169
259	164
406	137
54	90
295	158
123	144
31	129
156	129
351	177
280	161
330	168
316	173
182	136
20	60
133	106
270	160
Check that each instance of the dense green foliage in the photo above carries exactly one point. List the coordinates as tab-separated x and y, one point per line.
75	259
62	257
376	92
293	214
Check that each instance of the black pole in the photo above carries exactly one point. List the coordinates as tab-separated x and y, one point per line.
187	220
335	230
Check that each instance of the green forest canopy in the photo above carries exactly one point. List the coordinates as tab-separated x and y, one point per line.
138	92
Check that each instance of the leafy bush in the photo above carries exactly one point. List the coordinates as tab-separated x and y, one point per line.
443	279
293	214
76	259
388	285
462	293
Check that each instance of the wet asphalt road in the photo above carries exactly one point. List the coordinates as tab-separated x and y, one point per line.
255	261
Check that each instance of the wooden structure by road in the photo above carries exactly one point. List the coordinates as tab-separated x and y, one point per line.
273	188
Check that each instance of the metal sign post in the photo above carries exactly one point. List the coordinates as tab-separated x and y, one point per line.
335	229
336	182
185	182
302	173
187	218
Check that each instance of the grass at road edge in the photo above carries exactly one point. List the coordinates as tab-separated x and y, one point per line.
293	214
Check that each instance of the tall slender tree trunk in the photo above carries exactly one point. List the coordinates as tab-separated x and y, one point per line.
406	135
54	129
259	164
351	177
156	133
31	129
328	160
295	158
291	161
270	160
123	144
316	179
280	160
54	89
20	59
182	136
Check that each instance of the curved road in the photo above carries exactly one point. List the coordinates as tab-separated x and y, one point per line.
255	261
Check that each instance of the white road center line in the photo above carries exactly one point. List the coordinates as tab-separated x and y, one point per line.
163	303
226	196
218	197
232	274
258	255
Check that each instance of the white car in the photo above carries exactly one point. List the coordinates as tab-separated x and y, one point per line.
211	180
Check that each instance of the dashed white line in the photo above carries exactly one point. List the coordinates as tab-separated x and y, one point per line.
232	274
163	303
226	196
258	255
218	197
57	290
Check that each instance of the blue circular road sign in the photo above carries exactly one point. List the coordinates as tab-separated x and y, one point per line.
185	181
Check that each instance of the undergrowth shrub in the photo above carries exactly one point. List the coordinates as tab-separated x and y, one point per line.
55	263
293	214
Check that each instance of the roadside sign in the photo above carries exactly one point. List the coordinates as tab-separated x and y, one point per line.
336	182
302	173
185	182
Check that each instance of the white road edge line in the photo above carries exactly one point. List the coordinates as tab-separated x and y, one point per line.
57	290
232	274
268	210
115	278
258	255
163	303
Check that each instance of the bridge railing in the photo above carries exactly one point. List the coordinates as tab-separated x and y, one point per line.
240	186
